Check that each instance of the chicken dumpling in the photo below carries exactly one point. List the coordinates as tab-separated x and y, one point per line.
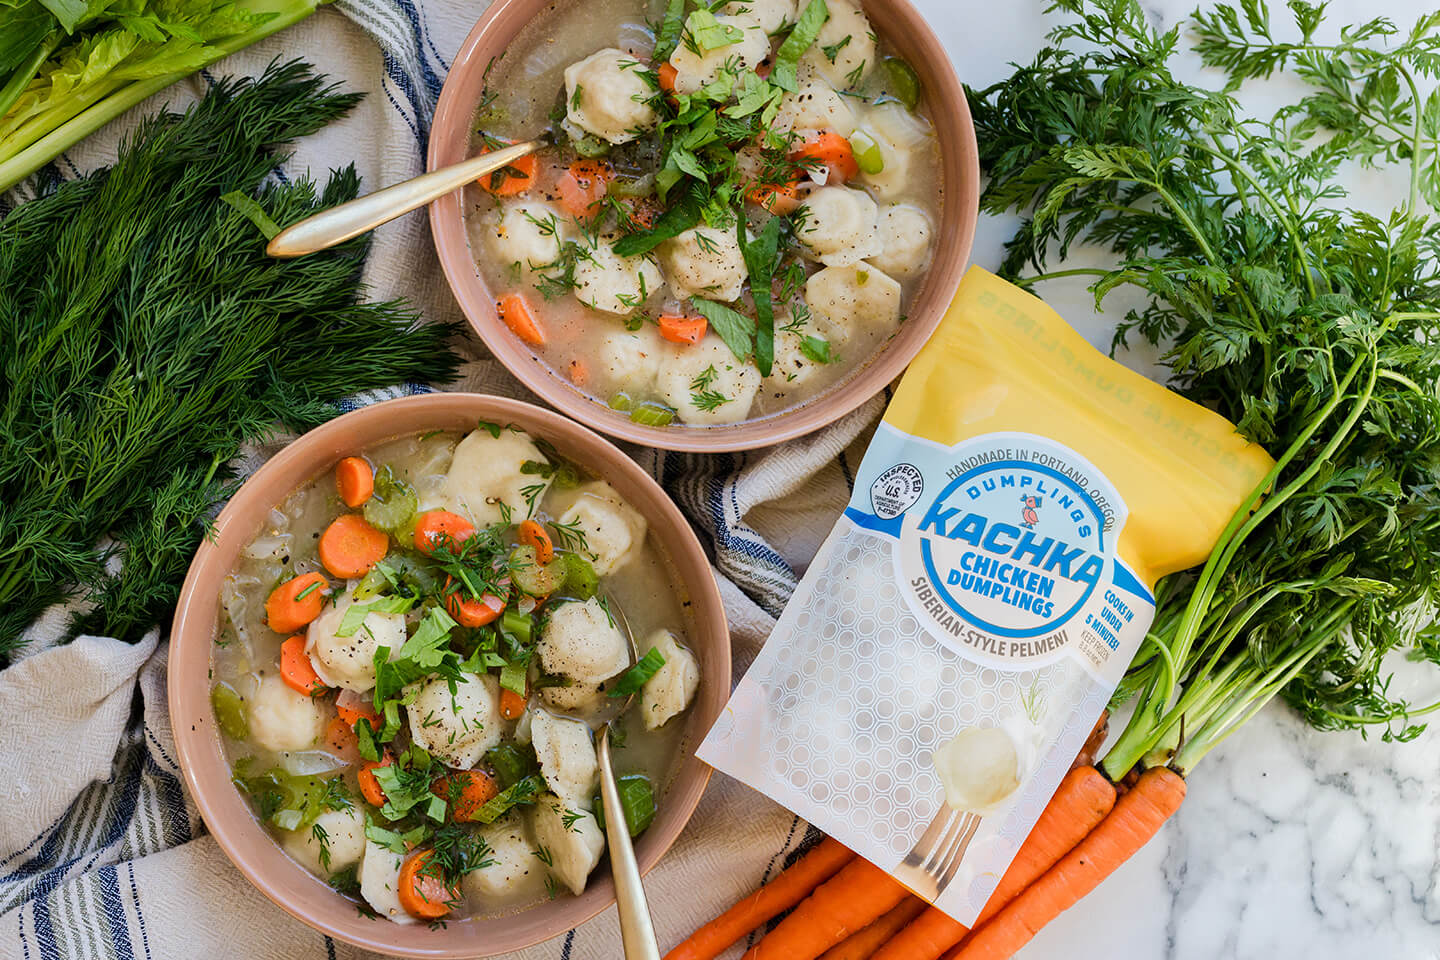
576	698
630	359
814	107
792	369
841	226
343	843
567	757
704	261
706	384
349	662
900	135
904	239
612	529
696	67
379	877
673	686
579	640
857	298
485	473
573	842
457	728
606	94
606	281
527	235
282	718
770	14
844	51
512	873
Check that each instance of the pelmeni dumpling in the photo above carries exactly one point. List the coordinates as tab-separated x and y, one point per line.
282	718
841	226
902	138
573	839
457	728
613	530
606	95
527	235
379	877
792	369
694	68
697	376
904	240
770	14
847	300
814	107
847	35
978	767
630	359
579	640
567	757
343	844
673	686
485	473
349	662
583	698
512	873
606	281
704	261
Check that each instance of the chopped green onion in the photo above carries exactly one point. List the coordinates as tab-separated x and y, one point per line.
522	791
868	156
637	803
902	82
230	713
308	590
518	625
511	763
512	676
652	414
622	402
633	679
252	211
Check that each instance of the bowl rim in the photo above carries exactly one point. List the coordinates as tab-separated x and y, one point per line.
245	841
959	212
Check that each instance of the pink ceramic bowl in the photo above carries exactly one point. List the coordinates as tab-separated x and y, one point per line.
906	31
226	812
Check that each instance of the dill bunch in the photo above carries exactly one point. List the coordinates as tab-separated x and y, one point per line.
148	336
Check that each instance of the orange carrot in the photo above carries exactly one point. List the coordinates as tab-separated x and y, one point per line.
778	198
582	186
1137	816
424	896
667	73
851	900
1091	747
775	897
296	602
341	741
512	704
682	329
352	707
862	945
515	312
440	528
355	479
296	669
469	612
476	789
834	152
1082	800
534	535
517	176
349	547
369	786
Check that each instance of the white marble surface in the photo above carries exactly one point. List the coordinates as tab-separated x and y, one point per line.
1292	843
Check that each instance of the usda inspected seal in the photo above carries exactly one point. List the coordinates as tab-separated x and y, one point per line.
896	490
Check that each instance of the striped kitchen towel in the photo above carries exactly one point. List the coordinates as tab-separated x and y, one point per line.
102	853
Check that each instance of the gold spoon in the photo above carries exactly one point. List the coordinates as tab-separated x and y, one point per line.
363	214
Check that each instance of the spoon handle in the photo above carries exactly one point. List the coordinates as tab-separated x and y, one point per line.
636	931
338	224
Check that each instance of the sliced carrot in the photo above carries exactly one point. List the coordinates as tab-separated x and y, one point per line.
643	212
774	898
583	186
296	669
862	945
477	788
440	528
832	150
296	602
515	311
517	176
355	479
780	199
423	896
340	740
668	73
469	612
512	704
369	786
353	707
1137	816
851	900
349	547
682	329
533	534
578	371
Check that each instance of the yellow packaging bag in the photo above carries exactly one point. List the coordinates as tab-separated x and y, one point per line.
967	620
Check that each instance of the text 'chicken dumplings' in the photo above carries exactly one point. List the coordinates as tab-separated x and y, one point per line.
705	169
403	687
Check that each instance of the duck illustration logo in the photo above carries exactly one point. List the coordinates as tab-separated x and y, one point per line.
1029	512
